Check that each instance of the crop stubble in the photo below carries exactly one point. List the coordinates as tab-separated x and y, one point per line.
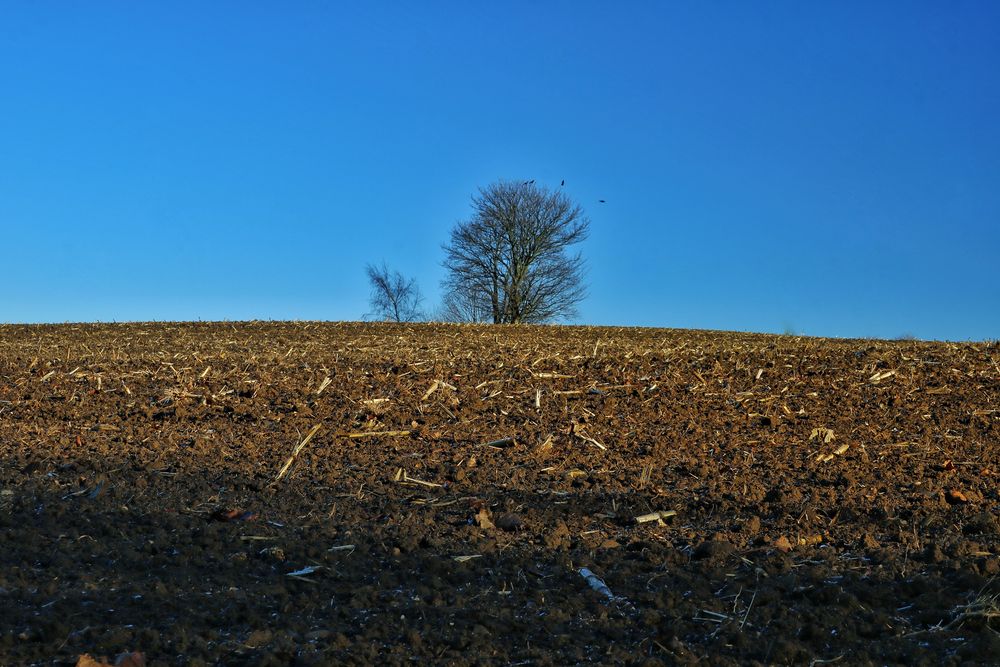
314	493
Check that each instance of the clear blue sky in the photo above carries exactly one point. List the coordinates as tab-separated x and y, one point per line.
831	168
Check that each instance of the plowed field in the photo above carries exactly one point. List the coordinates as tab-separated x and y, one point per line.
735	499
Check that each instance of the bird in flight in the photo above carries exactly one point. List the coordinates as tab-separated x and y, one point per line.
563	183
601	201
531	182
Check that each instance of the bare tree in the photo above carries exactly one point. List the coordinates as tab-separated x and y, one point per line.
393	297
459	305
510	261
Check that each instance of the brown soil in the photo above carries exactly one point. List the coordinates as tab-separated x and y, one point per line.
836	500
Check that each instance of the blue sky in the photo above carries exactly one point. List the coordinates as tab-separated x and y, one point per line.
831	169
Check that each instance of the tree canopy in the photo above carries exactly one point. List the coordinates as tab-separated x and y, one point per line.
511	261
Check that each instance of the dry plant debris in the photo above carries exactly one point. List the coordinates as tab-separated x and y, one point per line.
318	493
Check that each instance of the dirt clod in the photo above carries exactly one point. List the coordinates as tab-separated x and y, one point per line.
714	550
782	544
509	522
